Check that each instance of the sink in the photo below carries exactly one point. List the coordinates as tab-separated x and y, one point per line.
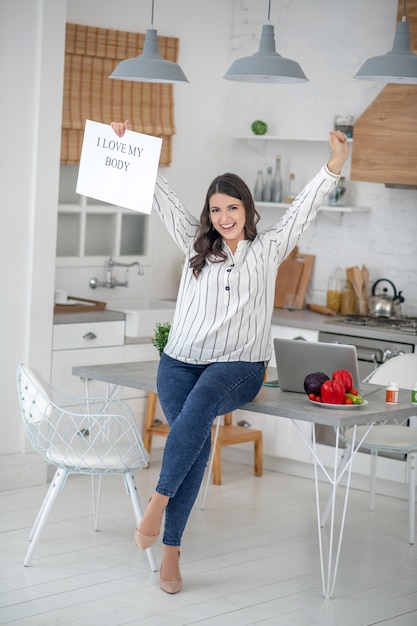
143	314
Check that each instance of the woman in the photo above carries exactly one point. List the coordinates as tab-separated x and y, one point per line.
220	339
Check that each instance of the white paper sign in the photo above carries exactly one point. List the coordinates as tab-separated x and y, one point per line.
118	170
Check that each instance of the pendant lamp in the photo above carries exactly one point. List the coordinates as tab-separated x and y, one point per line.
149	66
399	65
266	65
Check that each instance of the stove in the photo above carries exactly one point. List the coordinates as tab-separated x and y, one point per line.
402	324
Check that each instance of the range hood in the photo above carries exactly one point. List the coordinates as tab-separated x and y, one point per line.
384	147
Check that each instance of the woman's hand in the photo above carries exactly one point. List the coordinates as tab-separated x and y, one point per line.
120	127
340	151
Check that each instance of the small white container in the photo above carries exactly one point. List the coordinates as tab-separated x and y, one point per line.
392	393
414	394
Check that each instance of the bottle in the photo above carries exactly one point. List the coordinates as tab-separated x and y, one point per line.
267	191
259	187
337	197
414	394
290	195
349	304
345	124
392	393
277	182
334	290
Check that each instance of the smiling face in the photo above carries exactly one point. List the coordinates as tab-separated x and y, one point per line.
228	218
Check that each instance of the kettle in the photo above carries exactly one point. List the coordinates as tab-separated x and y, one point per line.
384	305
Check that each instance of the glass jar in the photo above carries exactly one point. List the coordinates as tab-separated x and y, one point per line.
349	303
334	290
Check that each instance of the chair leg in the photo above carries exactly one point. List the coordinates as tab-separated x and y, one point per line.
411	460
56	486
96	493
372	480
258	456
149	420
138	513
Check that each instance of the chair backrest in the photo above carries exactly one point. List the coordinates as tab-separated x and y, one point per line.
35	395
89	435
401	369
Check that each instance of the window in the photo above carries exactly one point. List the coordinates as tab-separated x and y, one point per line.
91	54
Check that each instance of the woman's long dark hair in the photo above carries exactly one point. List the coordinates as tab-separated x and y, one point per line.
209	243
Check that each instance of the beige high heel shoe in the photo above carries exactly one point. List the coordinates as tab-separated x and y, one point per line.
170	586
143	542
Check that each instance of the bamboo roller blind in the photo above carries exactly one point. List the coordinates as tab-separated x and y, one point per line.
91	54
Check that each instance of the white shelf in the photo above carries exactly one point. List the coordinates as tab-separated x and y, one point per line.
324	208
280	138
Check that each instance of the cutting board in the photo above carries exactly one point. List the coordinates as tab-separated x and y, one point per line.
293	277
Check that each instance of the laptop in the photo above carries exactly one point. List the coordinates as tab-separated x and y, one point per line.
296	358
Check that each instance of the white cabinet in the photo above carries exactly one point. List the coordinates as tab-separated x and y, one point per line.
81	344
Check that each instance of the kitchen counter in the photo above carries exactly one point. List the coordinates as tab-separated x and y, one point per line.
281	317
89	316
315	321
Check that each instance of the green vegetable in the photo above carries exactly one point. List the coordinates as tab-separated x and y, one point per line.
259	127
160	336
355	399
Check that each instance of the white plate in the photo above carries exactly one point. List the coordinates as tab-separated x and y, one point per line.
340	407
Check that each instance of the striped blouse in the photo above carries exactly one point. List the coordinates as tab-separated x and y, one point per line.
225	314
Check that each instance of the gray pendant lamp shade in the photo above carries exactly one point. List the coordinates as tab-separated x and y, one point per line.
149	66
266	65
399	65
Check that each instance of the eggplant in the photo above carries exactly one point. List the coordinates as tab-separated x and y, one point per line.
314	381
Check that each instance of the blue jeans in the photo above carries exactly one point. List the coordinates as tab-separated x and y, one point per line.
191	397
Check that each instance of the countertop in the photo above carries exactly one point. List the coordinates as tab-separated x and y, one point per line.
89	316
296	319
269	401
315	321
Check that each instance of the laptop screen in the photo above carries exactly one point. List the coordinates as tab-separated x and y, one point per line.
296	358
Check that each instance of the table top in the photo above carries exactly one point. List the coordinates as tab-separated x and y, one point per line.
269	401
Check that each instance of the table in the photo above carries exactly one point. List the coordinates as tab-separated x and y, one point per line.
294	406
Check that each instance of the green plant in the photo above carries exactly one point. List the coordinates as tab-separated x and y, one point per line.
160	336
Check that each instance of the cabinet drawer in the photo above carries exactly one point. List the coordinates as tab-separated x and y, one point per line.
88	335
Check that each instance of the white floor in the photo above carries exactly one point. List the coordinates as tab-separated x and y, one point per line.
251	557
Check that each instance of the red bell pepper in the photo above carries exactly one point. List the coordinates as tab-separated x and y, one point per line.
344	377
332	392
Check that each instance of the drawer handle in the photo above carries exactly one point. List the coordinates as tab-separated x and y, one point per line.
90	335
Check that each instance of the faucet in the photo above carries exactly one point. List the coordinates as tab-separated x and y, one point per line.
111	281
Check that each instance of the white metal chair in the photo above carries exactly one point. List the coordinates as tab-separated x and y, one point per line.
388	437
79	436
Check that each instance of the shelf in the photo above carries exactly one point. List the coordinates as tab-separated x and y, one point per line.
87	231
280	138
324	208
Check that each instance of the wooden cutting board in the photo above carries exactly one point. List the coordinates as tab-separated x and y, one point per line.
288	277
294	278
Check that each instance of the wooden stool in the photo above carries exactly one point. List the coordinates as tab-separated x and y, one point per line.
229	434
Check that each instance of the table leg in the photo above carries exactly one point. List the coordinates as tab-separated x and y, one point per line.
329	565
